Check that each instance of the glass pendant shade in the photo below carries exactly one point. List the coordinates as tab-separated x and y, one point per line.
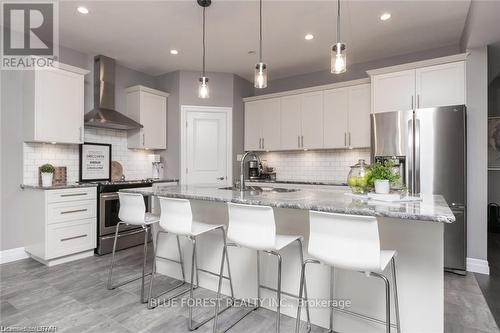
339	59
260	77
203	88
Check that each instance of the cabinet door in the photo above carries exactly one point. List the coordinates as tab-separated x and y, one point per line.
359	116
311	107
58	106
441	85
154	119
393	91
336	102
271	117
252	126
290	122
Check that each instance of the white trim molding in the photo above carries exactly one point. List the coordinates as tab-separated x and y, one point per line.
308	90
478	266
13	255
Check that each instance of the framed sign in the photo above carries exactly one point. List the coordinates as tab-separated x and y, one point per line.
494	143
95	162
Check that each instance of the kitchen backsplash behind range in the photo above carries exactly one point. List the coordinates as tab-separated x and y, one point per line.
136	163
321	165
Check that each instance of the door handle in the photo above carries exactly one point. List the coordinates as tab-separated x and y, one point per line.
220	178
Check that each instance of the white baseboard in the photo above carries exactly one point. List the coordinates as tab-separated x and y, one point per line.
13	255
478	266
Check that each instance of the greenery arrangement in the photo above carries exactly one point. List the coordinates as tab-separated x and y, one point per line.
379	171
47	168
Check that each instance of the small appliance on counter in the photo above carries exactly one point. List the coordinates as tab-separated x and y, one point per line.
157	166
267	172
254	169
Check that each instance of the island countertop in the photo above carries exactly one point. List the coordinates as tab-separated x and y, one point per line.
431	208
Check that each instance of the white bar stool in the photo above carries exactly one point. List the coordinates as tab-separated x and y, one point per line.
177	218
132	212
254	227
350	242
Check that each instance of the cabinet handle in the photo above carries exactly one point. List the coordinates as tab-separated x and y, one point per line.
73	194
418	100
349	139
75	237
412	102
263	143
260	143
345	139
81	134
143	140
298	141
74	211
302	141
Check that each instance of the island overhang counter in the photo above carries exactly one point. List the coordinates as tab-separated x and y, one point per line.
414	229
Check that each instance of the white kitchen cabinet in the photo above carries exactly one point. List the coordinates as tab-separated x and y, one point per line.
148	107
290	122
440	85
60	224
423	87
359	116
393	91
302	121
336	112
262	120
311	109
347	117
53	104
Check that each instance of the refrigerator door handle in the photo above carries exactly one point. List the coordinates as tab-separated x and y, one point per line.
409	166
417	156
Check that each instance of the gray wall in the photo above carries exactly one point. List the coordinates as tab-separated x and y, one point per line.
170	83
355	71
11	141
494	111
477	165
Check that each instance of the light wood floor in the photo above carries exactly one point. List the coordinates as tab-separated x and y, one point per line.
73	297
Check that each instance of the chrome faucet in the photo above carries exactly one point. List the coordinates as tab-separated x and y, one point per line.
242	168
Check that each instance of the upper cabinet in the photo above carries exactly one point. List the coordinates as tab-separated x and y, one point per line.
347	117
262	120
53	104
335	118
148	107
423	87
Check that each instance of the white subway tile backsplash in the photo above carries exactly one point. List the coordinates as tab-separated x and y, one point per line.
324	165
136	163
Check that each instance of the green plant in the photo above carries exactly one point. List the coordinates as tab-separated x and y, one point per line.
47	168
379	171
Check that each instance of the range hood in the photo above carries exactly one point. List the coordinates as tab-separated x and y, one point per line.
104	113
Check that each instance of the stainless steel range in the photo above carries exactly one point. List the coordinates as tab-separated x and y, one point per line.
108	206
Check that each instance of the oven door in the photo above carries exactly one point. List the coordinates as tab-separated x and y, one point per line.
109	206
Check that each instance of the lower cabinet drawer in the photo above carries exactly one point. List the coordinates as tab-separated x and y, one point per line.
69	238
68	211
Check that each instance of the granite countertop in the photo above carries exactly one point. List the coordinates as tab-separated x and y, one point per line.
297	182
431	208
56	187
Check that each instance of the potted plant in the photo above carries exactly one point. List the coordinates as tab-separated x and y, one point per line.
47	172
382	176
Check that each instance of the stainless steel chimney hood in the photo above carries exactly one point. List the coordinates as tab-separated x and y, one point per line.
104	113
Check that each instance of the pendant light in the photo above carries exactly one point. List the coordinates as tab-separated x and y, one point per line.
260	75
203	81
338	61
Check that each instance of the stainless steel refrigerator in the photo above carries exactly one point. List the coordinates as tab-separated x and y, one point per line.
431	146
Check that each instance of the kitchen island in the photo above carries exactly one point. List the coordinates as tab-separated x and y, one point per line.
414	229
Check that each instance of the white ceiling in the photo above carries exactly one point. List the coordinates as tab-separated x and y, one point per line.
139	34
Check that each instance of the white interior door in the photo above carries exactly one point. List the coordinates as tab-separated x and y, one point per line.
207	148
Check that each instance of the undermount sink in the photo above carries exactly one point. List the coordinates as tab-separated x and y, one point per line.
261	189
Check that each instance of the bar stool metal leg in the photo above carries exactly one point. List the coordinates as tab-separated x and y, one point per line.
395	293
301	256
146	234
110	276
301	290
153	272
332	277
278	294
387	301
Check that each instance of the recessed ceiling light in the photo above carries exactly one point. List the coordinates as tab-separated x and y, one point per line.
82	10
309	37
174	52
385	16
